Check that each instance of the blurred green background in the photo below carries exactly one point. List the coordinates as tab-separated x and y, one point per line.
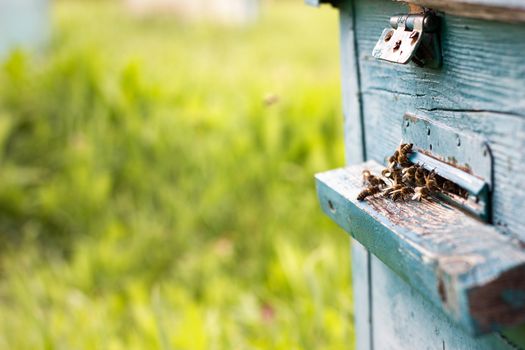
156	183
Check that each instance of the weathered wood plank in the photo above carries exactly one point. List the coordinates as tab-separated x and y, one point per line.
501	10
481	88
505	134
354	154
404	319
361	282
482	63
351	93
463	266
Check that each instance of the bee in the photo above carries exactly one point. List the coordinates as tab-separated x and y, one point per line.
392	160
420	192
430	181
392	174
369	191
394	187
449	186
405	148
411	170
397	175
401	154
409	174
420	176
462	192
402	160
369	179
387	172
366	176
401	193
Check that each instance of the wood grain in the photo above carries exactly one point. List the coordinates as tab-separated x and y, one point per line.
480	89
361	283
351	93
452	259
354	154
406	320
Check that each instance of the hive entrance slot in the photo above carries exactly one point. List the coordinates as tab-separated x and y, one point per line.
462	158
465	190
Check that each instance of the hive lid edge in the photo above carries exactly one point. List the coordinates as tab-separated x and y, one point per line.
501	10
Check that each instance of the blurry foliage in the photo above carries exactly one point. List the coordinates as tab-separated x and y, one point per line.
149	197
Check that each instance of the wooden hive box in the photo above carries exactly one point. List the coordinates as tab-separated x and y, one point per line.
443	273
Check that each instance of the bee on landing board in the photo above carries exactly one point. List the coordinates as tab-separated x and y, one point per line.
403	193
420	192
367	192
430	181
372	180
392	160
420	176
403	180
409	174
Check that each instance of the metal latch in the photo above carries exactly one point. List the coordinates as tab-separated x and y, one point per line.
412	37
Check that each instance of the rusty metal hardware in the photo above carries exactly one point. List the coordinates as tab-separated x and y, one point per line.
411	37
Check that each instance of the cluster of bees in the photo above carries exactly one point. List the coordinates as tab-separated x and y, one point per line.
403	180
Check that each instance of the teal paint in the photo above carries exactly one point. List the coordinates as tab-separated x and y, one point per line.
480	89
514	297
457	262
406	320
354	154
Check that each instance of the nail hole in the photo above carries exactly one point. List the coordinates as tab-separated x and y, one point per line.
458	142
331	206
408	124
431	147
428	131
388	36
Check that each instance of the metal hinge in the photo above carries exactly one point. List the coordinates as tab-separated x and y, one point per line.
412	37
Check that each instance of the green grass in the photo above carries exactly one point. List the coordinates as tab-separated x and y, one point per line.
149	199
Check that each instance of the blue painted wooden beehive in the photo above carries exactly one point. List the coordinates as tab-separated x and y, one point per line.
23	24
447	76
